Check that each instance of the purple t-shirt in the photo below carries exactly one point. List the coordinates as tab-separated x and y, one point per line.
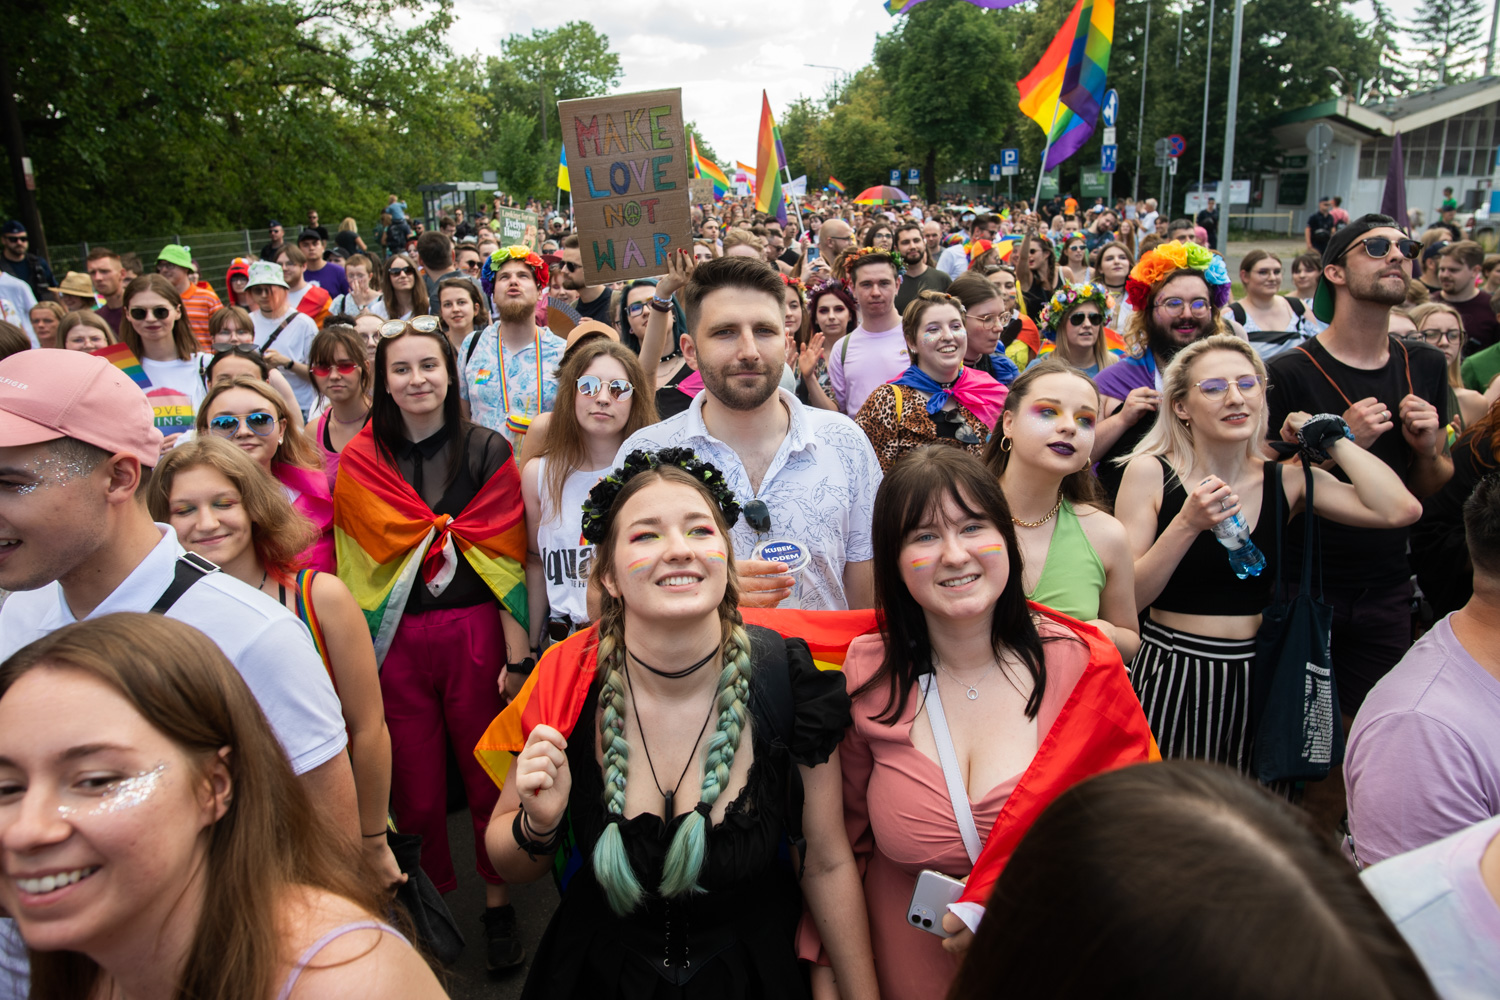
1437	899
869	359
1424	753
1118	379
329	277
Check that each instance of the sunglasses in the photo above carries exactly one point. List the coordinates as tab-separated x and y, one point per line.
1380	246
228	425
757	516
157	312
420	324
619	388
397	272
570	266
241	350
1215	388
323	371
16	239
962	434
1078	319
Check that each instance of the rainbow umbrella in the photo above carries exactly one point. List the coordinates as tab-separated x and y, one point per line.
881	194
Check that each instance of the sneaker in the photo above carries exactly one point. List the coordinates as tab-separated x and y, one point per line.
503	949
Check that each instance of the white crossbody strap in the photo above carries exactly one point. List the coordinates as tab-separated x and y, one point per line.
948	758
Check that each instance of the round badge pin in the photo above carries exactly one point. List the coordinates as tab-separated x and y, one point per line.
783	550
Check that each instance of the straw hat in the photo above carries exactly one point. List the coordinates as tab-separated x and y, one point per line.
77	284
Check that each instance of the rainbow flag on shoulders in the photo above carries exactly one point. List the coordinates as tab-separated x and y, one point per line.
388	540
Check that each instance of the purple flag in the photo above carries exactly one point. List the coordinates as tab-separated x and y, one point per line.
1393	202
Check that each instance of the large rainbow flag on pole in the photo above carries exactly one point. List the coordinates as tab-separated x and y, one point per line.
388	540
768	197
1063	93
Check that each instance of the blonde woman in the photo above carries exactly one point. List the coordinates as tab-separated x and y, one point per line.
1201	464
1441	326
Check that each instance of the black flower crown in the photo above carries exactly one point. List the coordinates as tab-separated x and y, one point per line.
601	502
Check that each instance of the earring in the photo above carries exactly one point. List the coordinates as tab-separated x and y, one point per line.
1006	444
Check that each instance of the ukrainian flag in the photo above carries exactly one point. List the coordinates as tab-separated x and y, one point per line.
563	184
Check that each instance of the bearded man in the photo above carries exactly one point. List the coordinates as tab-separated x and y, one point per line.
507	370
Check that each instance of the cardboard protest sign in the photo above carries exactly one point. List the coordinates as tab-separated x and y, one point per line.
627	159
513	227
702	189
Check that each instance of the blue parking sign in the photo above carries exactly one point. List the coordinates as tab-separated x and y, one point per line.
895	177
913	175
1010	157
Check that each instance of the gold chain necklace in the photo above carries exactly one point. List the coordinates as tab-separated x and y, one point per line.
1037	524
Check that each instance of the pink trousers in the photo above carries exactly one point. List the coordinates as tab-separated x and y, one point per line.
439	681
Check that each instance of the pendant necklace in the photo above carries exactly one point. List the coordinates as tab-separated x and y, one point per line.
667	797
973	689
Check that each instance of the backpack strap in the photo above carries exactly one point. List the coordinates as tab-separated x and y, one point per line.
844	348
1297	306
897	388
190	568
1239	312
473	346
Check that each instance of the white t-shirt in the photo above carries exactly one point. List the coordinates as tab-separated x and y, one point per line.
953	261
183	376
294	342
267	644
820	490
566	557
864	362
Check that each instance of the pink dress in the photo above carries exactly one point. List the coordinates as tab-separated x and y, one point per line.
900	820
312	497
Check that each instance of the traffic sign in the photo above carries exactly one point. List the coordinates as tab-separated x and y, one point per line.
895	177
1010	161
1110	109
994	171
1172	166
1107	155
1162	146
913	175
1319	136
1109	136
1176	145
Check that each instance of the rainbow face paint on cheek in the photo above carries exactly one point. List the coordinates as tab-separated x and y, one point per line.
715	556
124	794
992	550
639	566
921	564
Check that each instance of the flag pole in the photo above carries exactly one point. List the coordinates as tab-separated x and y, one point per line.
1037	202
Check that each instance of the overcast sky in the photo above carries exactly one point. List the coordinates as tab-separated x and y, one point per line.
721	55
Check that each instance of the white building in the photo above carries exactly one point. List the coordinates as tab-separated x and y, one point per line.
1449	136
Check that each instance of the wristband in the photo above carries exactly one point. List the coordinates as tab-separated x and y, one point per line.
660	305
523	668
535	848
1320	432
368	836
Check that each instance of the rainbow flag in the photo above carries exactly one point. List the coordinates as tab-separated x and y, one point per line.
768	197
703	167
386	536
836	184
1063	93
894	7
122	357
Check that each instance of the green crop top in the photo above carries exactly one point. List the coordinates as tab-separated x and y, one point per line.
1073	576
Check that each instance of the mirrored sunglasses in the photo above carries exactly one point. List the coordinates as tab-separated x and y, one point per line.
226	425
619	388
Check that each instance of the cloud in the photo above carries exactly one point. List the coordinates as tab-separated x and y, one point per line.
721	55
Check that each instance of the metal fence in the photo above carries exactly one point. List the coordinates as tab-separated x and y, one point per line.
1266	221
212	251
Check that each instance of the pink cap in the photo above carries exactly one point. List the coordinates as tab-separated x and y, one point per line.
51	394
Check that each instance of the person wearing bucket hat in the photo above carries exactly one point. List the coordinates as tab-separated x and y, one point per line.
199	300
507	371
1394	397
76	291
283	334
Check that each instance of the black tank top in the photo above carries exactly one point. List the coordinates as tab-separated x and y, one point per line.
1203	582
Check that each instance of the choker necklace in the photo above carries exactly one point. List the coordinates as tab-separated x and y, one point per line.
950	385
671	809
1037	524
671	675
669	357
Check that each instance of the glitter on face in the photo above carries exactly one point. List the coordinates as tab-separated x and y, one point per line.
125	794
51	472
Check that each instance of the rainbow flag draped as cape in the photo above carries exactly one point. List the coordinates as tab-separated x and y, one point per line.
385	535
1063	93
768	197
1100	727
703	167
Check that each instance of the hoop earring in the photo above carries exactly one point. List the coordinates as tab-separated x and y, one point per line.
1006	444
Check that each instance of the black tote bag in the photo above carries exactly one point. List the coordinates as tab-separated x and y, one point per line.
1299	734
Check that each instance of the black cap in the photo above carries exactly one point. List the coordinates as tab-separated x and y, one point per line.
1338	245
13	227
310	234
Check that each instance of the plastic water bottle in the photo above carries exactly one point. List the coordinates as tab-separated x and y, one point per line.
1244	557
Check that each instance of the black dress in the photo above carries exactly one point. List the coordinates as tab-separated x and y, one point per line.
735	940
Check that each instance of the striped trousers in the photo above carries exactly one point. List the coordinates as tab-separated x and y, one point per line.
1196	694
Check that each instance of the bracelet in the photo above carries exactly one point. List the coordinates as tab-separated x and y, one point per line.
660	305
368	836
1320	432
535	848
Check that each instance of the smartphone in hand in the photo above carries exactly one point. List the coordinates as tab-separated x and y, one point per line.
930	899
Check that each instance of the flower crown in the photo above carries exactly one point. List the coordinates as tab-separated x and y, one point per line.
1068	296
852	258
791	282
600	505
498	259
1169	257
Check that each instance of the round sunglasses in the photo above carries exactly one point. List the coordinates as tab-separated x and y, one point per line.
157	312
228	425
1078	319
421	324
1380	246
591	385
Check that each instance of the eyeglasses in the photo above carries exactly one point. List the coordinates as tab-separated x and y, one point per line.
1215	388
323	371
419	324
988	319
757	516
158	312
1078	319
619	388
1379	247
226	425
1178	305
1439	336
397	272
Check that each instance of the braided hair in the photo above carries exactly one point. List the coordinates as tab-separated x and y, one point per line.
685	855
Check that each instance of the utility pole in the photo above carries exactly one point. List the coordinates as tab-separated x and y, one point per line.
1227	174
15	148
1140	121
1208	66
1489	52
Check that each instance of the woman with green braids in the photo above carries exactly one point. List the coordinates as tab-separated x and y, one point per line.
659	755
